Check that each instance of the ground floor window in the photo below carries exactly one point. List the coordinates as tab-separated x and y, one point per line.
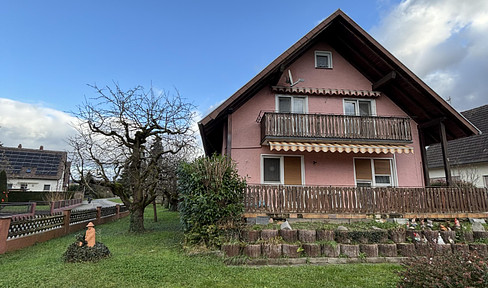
373	172
287	170
47	187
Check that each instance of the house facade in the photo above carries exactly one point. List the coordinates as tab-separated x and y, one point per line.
35	169
335	109
468	157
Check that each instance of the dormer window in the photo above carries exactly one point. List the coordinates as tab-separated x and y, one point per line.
323	59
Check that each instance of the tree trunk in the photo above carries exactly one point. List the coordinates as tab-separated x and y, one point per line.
136	220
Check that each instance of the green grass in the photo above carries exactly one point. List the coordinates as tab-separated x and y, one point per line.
156	259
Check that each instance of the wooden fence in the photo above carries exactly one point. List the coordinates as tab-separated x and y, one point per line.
363	200
321	126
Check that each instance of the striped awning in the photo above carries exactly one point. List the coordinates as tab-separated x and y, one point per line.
343	147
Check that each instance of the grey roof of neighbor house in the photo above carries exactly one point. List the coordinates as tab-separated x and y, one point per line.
467	150
32	163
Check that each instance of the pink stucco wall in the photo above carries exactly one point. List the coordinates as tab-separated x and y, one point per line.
321	168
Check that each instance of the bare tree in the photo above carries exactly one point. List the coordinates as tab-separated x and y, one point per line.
116	131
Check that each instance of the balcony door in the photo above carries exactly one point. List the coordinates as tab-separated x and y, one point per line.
359	127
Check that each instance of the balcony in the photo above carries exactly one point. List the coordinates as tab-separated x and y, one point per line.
342	128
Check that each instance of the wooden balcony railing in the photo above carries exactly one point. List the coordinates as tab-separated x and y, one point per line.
363	200
337	127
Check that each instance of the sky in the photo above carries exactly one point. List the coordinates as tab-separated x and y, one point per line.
51	51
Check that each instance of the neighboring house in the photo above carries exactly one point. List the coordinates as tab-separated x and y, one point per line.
335	109
35	170
468	157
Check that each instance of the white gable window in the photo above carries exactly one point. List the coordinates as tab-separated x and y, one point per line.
323	59
291	104
355	107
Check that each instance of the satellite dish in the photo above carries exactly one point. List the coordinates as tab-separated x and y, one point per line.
290	78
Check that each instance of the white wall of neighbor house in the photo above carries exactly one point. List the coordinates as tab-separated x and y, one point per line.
473	173
35	184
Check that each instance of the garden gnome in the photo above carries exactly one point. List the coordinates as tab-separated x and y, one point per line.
90	235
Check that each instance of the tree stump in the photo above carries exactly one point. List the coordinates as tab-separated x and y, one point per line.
268	234
342	237
370	250
290	250
311	249
289	236
448	234
423	249
351	251
329	250
460	248
431	236
325	235
252	251
250	236
406	249
480	235
307	236
442	249
271	250
231	250
397	236
387	250
480	248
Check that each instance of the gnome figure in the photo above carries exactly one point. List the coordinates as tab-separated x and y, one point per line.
90	235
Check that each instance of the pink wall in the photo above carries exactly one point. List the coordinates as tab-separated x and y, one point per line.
330	168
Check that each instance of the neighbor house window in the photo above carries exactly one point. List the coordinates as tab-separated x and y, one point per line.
9	186
47	187
485	180
291	104
355	107
373	172
323	59
23	186
285	170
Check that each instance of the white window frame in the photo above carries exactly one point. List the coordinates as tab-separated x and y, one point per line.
277	102
393	173
372	104
323	53
282	168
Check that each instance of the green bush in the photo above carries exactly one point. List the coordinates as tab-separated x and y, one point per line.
77	253
211	199
449	270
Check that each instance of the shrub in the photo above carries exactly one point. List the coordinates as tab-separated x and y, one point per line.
448	270
211	199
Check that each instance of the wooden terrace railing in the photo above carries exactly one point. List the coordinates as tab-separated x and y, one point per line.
273	199
322	126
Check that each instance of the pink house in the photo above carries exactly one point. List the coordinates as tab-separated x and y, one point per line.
335	109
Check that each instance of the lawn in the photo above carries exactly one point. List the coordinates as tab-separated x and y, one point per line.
156	259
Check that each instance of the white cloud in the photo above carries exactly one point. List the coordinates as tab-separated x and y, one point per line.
444	42
34	126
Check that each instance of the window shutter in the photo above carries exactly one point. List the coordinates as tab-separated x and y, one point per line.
363	169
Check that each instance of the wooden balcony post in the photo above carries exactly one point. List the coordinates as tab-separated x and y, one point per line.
425	163
447	167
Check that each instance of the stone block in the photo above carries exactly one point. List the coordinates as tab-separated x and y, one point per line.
387	250
252	250
460	248
480	248
231	250
329	250
271	250
268	234
290	250
250	236
311	249
406	249
289	236
325	235
351	251
480	235
307	236
397	236
370	250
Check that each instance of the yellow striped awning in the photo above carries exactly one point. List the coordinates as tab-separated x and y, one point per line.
343	147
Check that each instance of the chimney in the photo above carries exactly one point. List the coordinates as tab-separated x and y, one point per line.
20	146
41	148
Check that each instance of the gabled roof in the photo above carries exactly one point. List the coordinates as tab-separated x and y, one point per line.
21	163
467	150
387	74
